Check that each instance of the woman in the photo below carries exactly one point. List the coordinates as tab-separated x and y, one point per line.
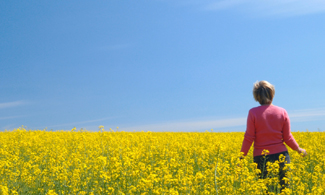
268	126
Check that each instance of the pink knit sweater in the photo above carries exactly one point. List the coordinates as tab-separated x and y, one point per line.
268	126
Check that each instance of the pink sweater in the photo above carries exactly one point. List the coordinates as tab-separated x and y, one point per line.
268	126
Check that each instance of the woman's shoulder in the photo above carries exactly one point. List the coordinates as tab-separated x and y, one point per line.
278	108
267	107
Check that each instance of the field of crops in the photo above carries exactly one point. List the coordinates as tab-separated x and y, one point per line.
108	162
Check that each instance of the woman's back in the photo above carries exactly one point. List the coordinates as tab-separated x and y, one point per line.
270	125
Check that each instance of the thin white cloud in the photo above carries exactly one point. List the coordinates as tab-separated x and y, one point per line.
80	122
186	126
223	124
270	7
7	127
307	115
11	104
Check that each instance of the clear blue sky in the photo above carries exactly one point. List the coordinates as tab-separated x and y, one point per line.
159	65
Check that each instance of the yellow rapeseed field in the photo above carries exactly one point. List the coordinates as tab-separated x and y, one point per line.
108	162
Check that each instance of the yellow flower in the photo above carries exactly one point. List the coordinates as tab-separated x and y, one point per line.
51	192
108	162
265	152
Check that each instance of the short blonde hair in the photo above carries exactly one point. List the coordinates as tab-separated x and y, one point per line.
263	92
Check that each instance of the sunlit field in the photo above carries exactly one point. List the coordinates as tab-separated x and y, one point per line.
111	162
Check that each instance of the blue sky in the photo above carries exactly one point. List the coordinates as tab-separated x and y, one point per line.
159	65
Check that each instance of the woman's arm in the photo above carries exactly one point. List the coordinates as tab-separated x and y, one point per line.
249	136
288	137
302	151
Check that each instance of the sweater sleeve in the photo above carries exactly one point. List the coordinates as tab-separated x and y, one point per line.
249	136
286	132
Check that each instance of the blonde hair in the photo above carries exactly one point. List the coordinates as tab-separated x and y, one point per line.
263	92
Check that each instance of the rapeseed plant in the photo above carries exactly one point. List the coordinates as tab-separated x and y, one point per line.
108	162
